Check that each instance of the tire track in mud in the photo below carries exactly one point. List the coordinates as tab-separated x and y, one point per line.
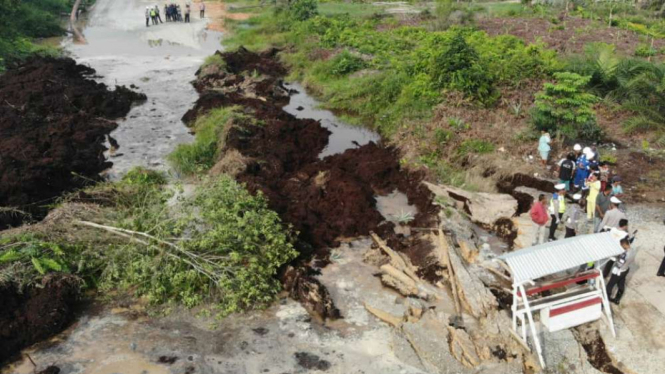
324	200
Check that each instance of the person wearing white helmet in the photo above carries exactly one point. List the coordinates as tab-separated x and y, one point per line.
578	150
573	216
582	170
147	16
614	215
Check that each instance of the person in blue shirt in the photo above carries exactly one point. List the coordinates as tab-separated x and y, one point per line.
617	190
582	171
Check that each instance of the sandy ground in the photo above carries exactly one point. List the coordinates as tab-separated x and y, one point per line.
217	12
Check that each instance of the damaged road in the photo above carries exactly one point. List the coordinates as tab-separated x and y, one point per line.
324	200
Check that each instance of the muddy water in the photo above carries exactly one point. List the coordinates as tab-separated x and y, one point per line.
161	60
344	136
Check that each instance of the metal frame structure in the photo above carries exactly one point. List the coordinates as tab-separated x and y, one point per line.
583	299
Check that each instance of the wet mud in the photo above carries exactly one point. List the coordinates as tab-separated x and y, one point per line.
596	350
325	200
509	184
54	121
36	313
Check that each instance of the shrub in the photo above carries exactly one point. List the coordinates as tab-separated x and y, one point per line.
234	246
645	51
345	63
442	137
458	67
302	10
564	108
142	176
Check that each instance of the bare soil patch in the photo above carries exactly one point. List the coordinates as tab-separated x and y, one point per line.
34	314
568	35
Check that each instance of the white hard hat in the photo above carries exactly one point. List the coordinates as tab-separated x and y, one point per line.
615	200
577	147
577	196
560	186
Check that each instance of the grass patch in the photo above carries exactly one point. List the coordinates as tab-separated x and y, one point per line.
202	154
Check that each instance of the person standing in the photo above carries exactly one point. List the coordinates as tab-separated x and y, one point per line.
617	190
620	271
187	11
153	15
567	170
557	208
539	217
159	17
572	217
147	16
593	184
581	172
179	12
602	206
614	215
544	147
618	233
202	10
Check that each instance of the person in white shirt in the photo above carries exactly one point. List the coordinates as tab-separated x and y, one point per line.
620	272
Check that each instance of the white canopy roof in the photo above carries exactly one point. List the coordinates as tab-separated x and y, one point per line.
553	257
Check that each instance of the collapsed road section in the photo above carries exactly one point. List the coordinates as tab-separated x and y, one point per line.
54	121
323	199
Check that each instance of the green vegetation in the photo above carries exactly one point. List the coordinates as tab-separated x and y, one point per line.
636	84
25	20
563	108
201	155
384	74
222	244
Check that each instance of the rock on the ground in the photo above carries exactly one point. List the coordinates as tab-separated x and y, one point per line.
475	298
484	208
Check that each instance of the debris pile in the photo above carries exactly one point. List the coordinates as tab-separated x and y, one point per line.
324	200
54	120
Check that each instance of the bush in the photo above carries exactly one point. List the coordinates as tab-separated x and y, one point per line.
458	67
345	63
142	176
563	108
302	10
645	51
234	247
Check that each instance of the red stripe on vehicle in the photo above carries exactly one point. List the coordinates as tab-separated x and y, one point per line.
573	307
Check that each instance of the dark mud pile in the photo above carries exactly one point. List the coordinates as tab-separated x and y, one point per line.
35	314
54	120
324	200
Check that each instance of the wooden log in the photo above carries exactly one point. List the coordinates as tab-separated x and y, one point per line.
394	321
444	250
395	259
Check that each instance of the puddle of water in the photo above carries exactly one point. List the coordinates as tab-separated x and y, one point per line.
161	60
344	136
395	208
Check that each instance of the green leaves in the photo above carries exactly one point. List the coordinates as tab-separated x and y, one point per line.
564	108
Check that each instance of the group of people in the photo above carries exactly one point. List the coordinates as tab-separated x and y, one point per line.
172	12
595	201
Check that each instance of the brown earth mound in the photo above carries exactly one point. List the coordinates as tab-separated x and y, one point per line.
53	124
324	200
36	313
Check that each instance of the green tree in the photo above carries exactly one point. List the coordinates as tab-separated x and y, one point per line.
565	109
458	67
302	10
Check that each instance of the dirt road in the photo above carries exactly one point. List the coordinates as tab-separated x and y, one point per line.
161	60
